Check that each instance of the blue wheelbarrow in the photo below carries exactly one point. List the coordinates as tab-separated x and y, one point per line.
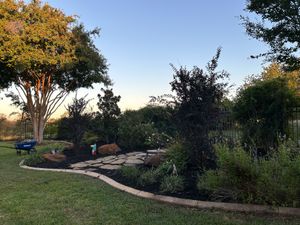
26	145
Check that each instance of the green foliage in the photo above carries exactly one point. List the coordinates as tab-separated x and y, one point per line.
33	159
276	27
90	138
158	140
263	110
149	177
148	127
172	184
198	98
164	169
162	118
51	130
76	124
281	174
177	154
105	123
131	173
236	176
272	180
46	55
133	131
52	146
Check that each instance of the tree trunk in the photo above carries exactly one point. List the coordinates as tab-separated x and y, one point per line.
41	101
38	130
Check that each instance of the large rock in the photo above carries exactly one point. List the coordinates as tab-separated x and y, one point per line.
109	149
154	160
58	157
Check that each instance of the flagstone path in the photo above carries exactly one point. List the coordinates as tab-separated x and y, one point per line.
115	162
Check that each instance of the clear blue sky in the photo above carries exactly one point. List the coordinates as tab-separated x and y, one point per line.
140	38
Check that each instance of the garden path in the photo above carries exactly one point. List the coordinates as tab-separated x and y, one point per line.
114	162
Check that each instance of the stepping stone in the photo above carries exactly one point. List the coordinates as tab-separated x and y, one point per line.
153	151
132	157
108	158
133	153
134	161
141	154
79	165
118	162
98	160
121	156
97	165
110	167
90	161
108	161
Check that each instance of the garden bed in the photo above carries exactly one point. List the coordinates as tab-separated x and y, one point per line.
190	191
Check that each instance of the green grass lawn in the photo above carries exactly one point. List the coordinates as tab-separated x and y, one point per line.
34	197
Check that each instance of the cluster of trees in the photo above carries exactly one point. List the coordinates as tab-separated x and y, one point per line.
148	127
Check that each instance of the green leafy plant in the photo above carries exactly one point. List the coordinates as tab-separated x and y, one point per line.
271	180
177	154
131	173
34	159
148	177
172	184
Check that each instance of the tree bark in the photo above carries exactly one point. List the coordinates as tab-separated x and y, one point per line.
41	100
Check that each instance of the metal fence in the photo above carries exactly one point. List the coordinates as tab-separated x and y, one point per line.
294	125
228	129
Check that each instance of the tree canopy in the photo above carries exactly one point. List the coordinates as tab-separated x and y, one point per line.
275	70
46	54
279	27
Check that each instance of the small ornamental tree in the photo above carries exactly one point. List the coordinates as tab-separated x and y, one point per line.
76	123
45	55
197	105
108	114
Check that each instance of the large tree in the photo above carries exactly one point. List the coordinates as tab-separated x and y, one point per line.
279	27
45	54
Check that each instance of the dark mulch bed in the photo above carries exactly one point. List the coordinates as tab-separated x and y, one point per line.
190	191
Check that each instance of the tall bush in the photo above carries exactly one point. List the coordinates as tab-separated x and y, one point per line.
197	102
263	110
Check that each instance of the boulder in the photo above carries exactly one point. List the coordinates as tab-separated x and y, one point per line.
58	157
109	149
154	160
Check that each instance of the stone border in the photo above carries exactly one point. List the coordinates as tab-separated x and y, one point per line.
235	207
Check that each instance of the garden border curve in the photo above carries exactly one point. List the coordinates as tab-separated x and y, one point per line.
235	207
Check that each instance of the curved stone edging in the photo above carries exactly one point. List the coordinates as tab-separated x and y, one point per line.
235	207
